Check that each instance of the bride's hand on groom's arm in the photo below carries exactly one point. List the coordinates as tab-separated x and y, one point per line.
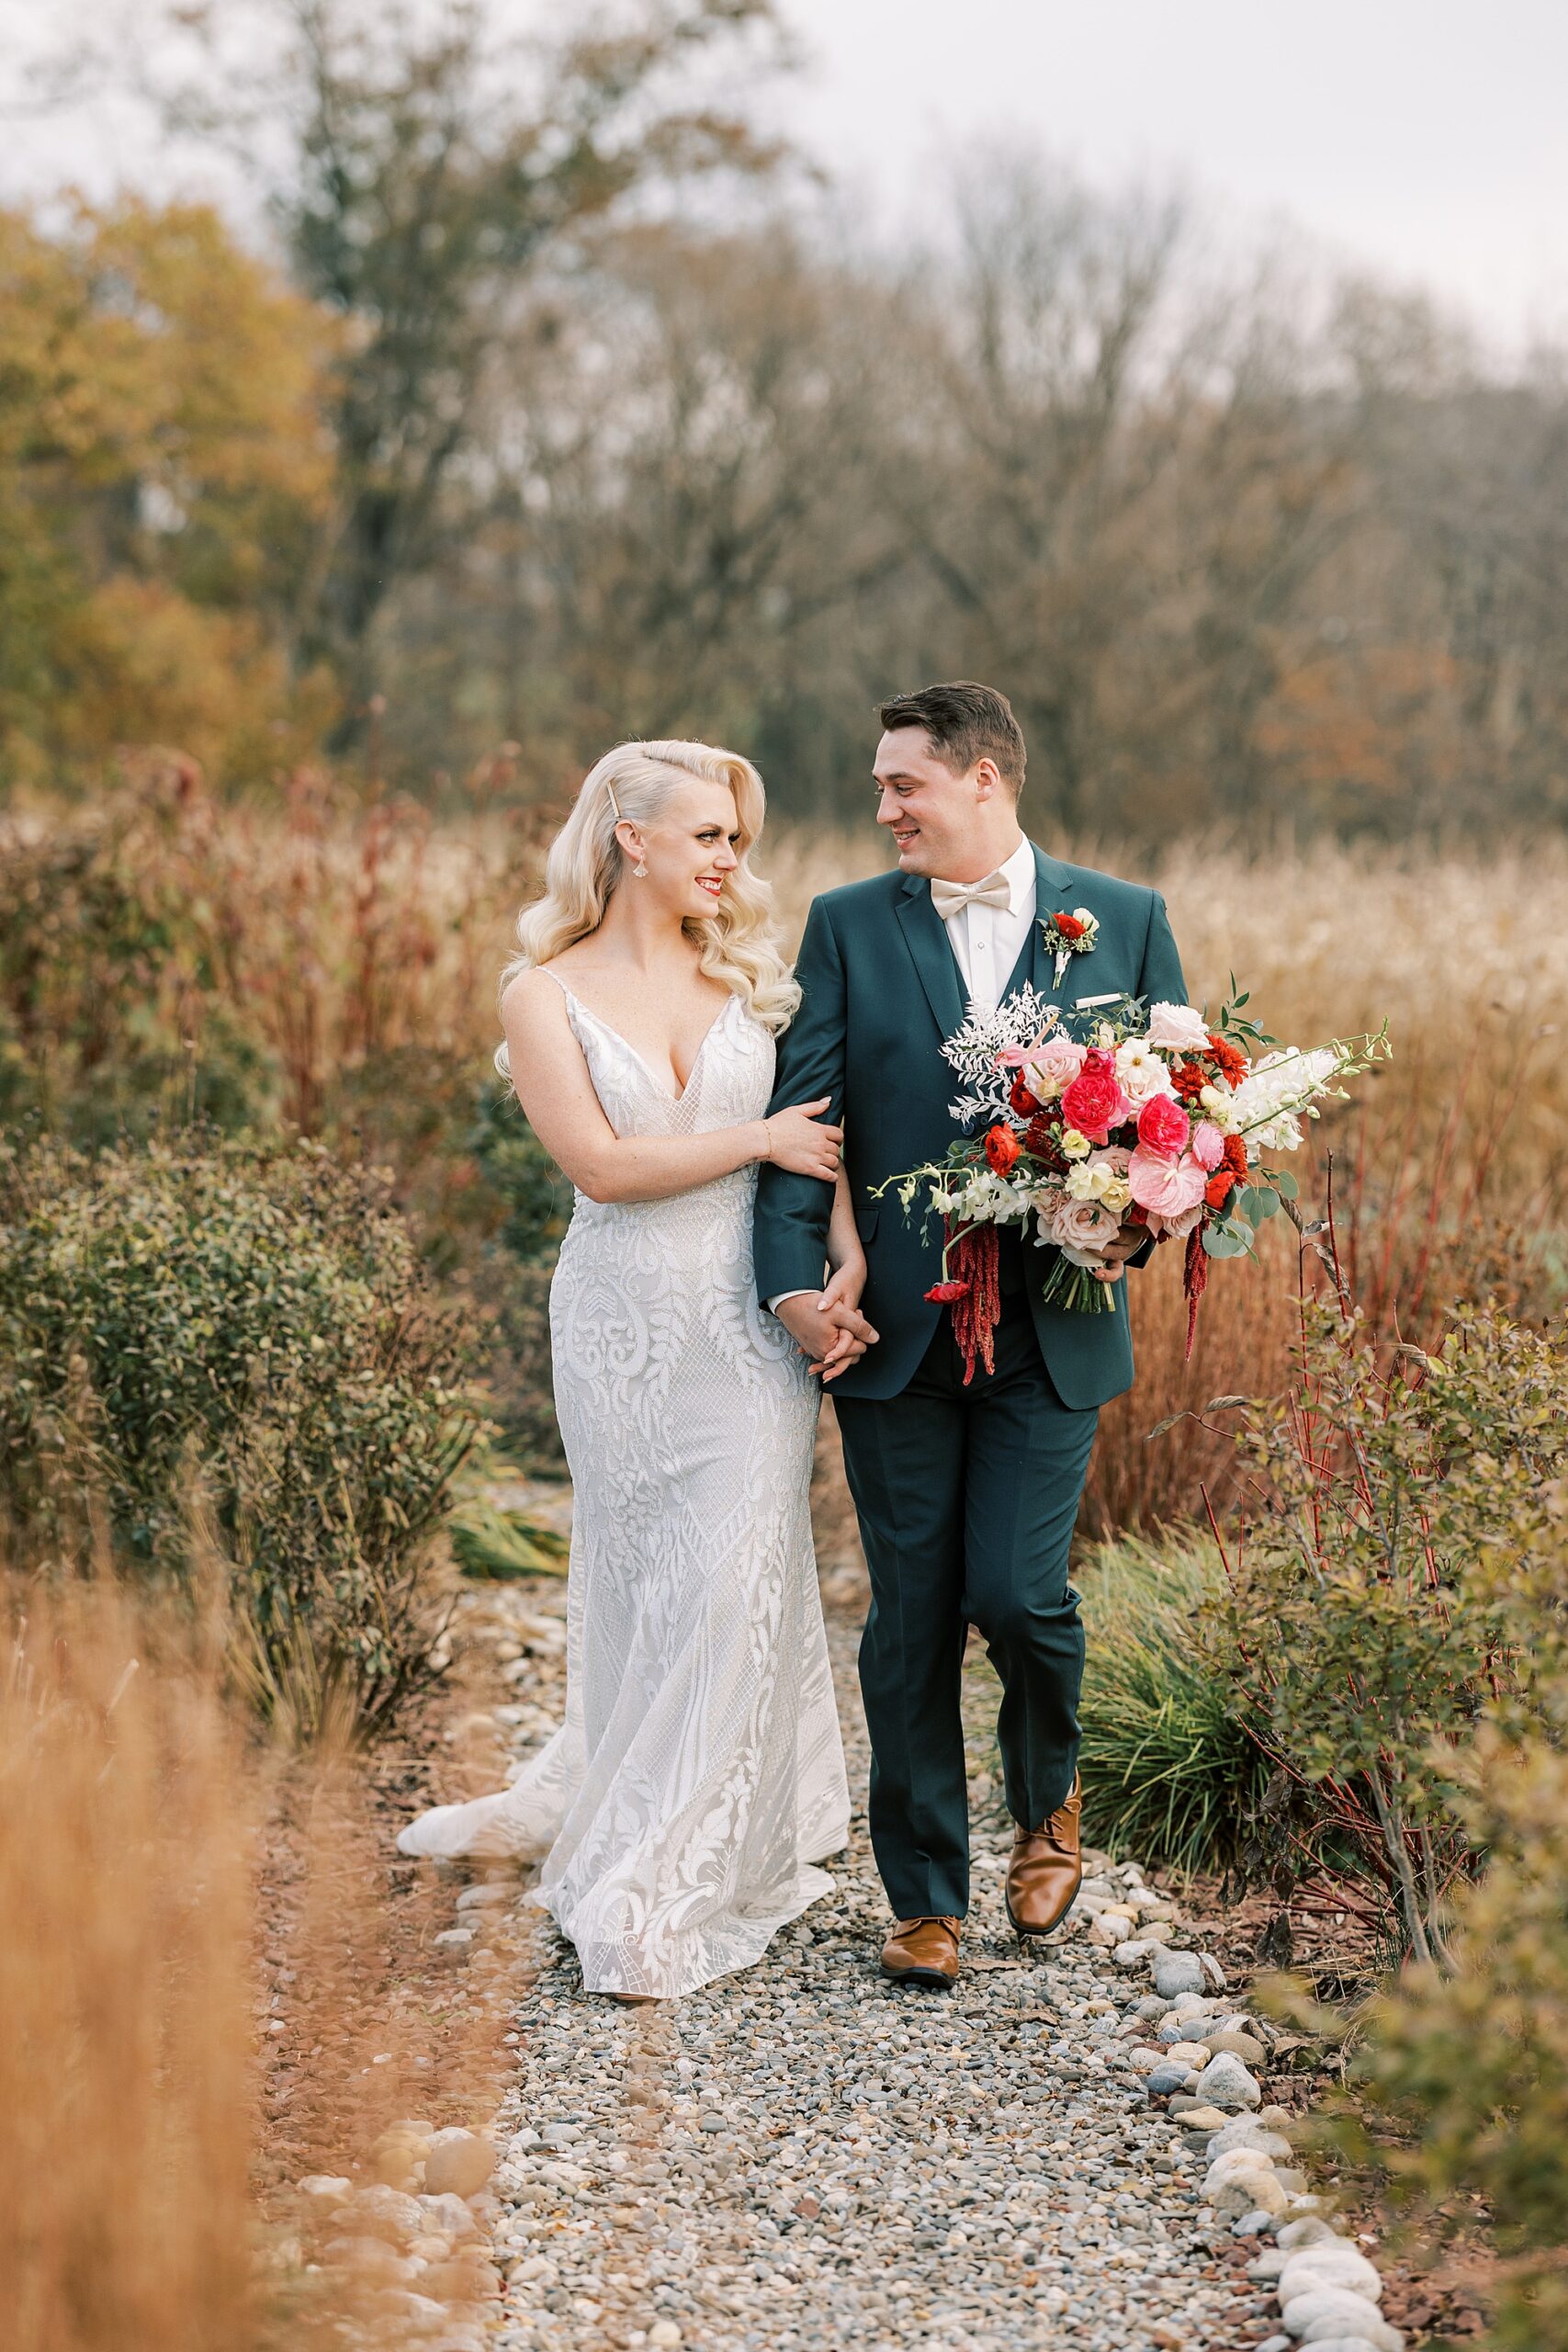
805	1140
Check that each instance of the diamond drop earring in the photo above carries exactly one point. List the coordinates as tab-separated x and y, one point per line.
640	869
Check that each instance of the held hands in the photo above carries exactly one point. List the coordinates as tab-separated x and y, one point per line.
828	1325
801	1140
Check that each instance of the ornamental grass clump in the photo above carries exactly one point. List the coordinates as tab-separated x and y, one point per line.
224	1349
1396	1581
1169	1774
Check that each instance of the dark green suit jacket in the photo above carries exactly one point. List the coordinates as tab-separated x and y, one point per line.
881	989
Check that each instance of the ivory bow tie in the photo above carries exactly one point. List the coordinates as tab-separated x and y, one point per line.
950	898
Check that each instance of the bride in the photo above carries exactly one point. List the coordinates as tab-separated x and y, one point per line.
699	1773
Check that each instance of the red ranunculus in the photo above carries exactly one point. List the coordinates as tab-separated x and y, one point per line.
1001	1148
1188	1080
1220	1187
1094	1103
1164	1125
1069	926
1231	1059
1235	1156
943	1294
1023	1102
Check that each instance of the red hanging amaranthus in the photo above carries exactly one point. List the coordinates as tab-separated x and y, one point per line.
972	1292
1194	1282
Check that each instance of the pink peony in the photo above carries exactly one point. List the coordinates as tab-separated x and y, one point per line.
1208	1145
1053	1066
1094	1103
1178	1028
1166	1187
1163	1125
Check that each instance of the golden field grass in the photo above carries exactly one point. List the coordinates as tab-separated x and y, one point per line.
217	1978
359	944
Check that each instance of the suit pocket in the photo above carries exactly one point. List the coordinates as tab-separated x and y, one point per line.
866	1221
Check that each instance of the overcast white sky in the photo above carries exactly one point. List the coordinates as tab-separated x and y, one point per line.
1429	138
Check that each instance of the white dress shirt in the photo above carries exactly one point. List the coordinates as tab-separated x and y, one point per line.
986	943
989	941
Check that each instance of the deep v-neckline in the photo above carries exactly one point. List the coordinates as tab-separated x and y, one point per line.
671	1096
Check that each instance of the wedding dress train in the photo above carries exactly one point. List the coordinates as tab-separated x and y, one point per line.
699	1773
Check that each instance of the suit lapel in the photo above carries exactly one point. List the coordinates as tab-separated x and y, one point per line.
925	936
1036	964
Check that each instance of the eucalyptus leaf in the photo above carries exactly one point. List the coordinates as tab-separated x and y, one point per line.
1256	1203
1219	1241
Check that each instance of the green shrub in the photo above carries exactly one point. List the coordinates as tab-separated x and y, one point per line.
241	1326
517	1168
1468	2067
1397	1581
1169	1775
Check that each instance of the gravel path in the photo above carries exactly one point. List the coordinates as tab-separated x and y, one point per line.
805	2156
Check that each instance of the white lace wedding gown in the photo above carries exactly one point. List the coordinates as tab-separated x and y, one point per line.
699	1773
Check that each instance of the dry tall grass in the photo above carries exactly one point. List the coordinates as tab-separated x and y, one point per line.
216	1976
126	2078
360	943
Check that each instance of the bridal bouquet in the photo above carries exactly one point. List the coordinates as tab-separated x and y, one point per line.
1149	1118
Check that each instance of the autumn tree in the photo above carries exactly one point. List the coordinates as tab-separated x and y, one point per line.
164	468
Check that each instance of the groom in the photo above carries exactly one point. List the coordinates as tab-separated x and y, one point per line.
966	1496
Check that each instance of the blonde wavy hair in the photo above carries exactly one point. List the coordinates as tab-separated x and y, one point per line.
737	944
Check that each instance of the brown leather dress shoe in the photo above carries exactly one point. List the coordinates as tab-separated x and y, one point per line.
1046	1869
923	1951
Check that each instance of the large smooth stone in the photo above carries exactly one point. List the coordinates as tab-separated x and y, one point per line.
1334	2311
1245	2131
1176	1972
460	2161
1249	2192
1245	2046
1330	2265
1225	2082
1308	2231
388	2213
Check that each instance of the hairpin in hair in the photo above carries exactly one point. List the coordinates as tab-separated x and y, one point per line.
614	802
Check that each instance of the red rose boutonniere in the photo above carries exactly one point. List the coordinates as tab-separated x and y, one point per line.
1068	935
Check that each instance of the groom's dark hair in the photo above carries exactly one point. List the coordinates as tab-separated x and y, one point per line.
965	723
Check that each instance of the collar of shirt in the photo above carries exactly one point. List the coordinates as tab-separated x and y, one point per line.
987	942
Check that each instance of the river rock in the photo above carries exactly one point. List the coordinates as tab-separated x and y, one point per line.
460	2161
1177	1972
1245	2046
1308	2231
325	2189
1225	2082
387	2214
1330	2265
1135	1952
1327	2311
1245	2131
448	2212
